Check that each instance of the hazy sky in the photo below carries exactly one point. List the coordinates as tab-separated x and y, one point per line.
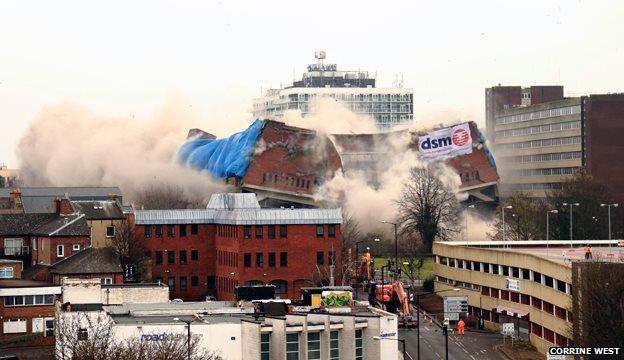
124	58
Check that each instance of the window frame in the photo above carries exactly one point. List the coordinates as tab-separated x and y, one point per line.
108	234
62	252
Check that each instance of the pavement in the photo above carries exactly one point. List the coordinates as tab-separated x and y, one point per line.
472	345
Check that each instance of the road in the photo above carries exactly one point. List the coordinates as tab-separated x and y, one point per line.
472	346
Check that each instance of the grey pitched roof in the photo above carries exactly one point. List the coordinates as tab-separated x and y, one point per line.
40	199
44	224
99	209
89	261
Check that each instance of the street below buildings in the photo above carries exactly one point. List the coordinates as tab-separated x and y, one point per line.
472	345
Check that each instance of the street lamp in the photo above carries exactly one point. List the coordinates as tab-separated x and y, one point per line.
402	341
547	231
609	210
570	205
396	248
188	335
505	207
418	318
517	217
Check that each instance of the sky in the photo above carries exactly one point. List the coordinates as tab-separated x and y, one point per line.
126	58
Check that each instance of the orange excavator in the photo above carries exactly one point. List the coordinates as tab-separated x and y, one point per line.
395	300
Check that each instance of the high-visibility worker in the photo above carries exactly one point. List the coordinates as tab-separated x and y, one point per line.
460	327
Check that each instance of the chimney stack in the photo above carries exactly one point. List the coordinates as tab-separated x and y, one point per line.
64	206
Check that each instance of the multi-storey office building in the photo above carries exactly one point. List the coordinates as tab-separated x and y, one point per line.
541	138
235	242
528	283
355	89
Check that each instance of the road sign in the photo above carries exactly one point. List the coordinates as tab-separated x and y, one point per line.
508	329
456	304
453	316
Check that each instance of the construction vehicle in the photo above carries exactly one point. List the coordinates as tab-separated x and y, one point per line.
395	300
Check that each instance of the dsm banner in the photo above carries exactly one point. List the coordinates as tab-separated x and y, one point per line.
451	141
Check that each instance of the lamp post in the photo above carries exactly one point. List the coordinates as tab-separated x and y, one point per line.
570	205
396	249
418	318
547	230
609	211
471	206
402	341
505	207
517	217
188	335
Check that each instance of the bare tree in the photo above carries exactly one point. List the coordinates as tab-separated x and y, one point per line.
412	259
131	249
90	336
524	221
428	207
167	196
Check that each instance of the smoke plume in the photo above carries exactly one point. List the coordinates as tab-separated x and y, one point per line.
67	145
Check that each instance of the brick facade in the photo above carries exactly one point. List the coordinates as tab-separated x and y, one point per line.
220	257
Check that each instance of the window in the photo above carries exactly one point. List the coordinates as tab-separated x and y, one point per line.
271	259
561	286
182	282
14	326
194	281
83	334
182	230
247	231
60	250
258	231
320	257
548	281
110	231
13	246
314	346
271	231
147	230
170	257
170	230
76	247
6	273
171	282
359	355
106	281
158	230
505	270
331	230
283	231
292	346
28	300
194	229
247	259
319	231
283	259
182	256
159	257
194	255
526	274
265	346
495	269
515	272
259	260
334	345
49	327
537	277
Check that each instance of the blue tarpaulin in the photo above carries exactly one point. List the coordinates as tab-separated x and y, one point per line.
222	157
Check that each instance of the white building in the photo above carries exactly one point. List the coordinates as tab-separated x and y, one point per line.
235	333
354	89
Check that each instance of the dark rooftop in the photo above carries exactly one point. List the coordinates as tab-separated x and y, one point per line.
89	261
44	224
99	209
40	199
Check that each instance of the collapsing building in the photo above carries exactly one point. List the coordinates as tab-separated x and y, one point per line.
462	147
285	165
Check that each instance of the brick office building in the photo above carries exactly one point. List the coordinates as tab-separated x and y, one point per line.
234	242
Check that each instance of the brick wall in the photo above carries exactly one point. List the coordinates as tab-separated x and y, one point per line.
221	252
28	313
46	248
17	267
202	268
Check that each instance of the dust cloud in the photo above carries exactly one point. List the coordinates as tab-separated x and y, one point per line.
68	145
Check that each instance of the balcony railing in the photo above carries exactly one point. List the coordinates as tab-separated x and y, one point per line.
16	250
